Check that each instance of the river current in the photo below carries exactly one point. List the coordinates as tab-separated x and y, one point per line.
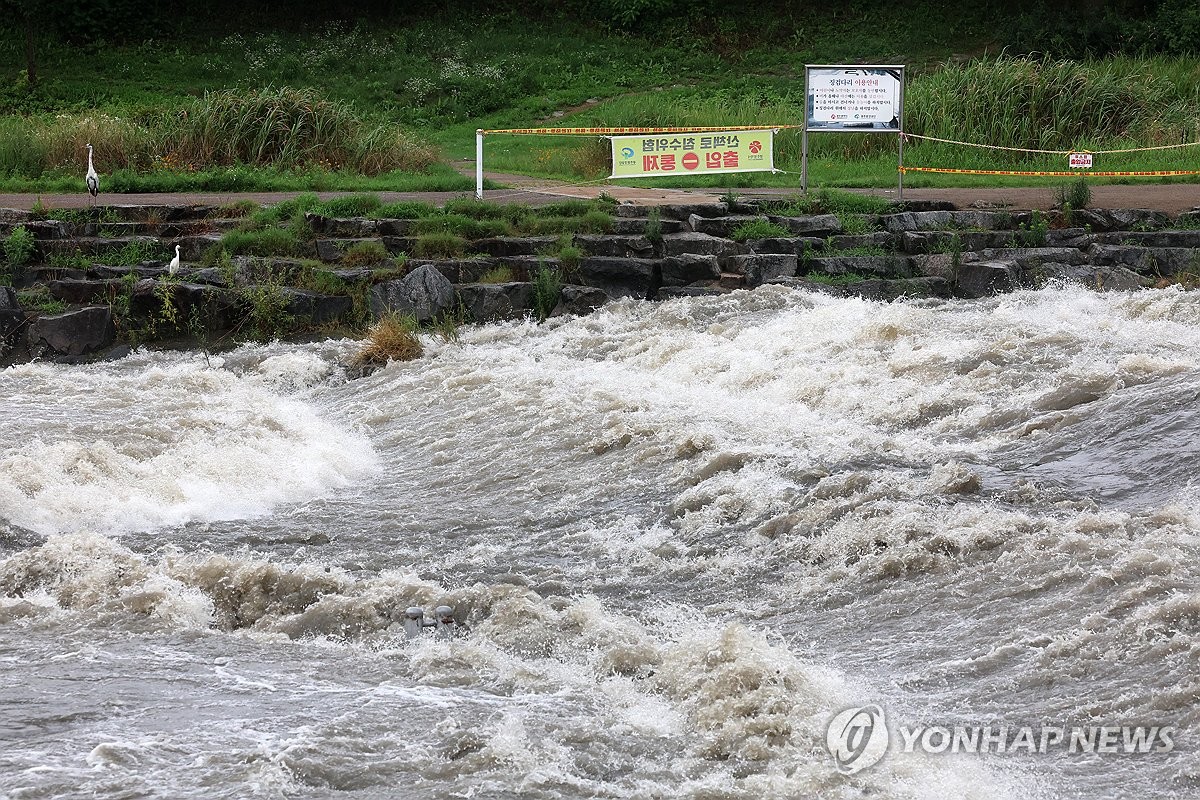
678	538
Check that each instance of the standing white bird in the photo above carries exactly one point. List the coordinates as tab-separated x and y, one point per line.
173	267
93	180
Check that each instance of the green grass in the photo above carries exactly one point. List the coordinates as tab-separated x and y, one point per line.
364	254
388	106
759	229
37	300
464	227
497	275
441	244
265	242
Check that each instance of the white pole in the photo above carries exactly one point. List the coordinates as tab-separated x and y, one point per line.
479	164
900	136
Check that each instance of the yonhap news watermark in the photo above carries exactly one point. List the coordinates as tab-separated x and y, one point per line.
860	737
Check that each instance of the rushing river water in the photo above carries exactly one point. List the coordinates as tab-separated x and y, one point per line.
680	538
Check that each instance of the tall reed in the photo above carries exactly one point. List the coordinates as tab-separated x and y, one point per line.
276	127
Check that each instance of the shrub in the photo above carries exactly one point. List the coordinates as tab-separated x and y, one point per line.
547	288
1076	194
19	246
1034	234
592	159
758	229
268	309
392	338
654	227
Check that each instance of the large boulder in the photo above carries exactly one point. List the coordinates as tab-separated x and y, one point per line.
984	278
819	225
73	333
619	277
689	268
492	302
701	244
579	300
1157	261
75	292
759	269
315	308
614	246
11	315
500	246
425	293
722	227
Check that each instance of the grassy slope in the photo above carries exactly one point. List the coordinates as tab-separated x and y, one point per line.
504	71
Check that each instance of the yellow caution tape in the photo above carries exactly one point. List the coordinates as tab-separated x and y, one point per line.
627	131
1050	174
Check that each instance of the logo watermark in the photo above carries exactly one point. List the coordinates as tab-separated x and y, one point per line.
858	738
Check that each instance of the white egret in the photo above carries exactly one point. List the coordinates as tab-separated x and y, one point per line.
173	267
93	180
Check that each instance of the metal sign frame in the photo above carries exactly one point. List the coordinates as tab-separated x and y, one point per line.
869	123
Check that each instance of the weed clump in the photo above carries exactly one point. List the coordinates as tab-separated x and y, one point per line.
18	247
1074	195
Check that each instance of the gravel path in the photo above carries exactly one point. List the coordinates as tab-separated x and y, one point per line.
1172	198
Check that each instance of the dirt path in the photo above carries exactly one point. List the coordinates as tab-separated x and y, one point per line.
1172	198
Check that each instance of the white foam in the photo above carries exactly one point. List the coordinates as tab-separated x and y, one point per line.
167	445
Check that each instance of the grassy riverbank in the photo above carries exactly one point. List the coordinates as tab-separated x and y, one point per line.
390	105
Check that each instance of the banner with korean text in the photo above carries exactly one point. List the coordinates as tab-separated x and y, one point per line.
655	155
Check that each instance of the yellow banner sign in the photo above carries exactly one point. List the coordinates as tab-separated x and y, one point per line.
656	155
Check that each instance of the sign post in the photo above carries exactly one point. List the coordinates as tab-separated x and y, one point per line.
853	99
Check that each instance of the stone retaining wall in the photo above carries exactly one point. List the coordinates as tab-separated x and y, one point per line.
670	251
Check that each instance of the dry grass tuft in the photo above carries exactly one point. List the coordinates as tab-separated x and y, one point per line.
392	338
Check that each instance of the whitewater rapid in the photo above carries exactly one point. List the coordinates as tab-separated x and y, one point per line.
679	537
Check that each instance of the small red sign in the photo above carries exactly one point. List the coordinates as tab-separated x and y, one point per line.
690	160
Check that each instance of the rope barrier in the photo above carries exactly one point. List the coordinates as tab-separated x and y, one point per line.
628	131
987	146
1049	152
1052	174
